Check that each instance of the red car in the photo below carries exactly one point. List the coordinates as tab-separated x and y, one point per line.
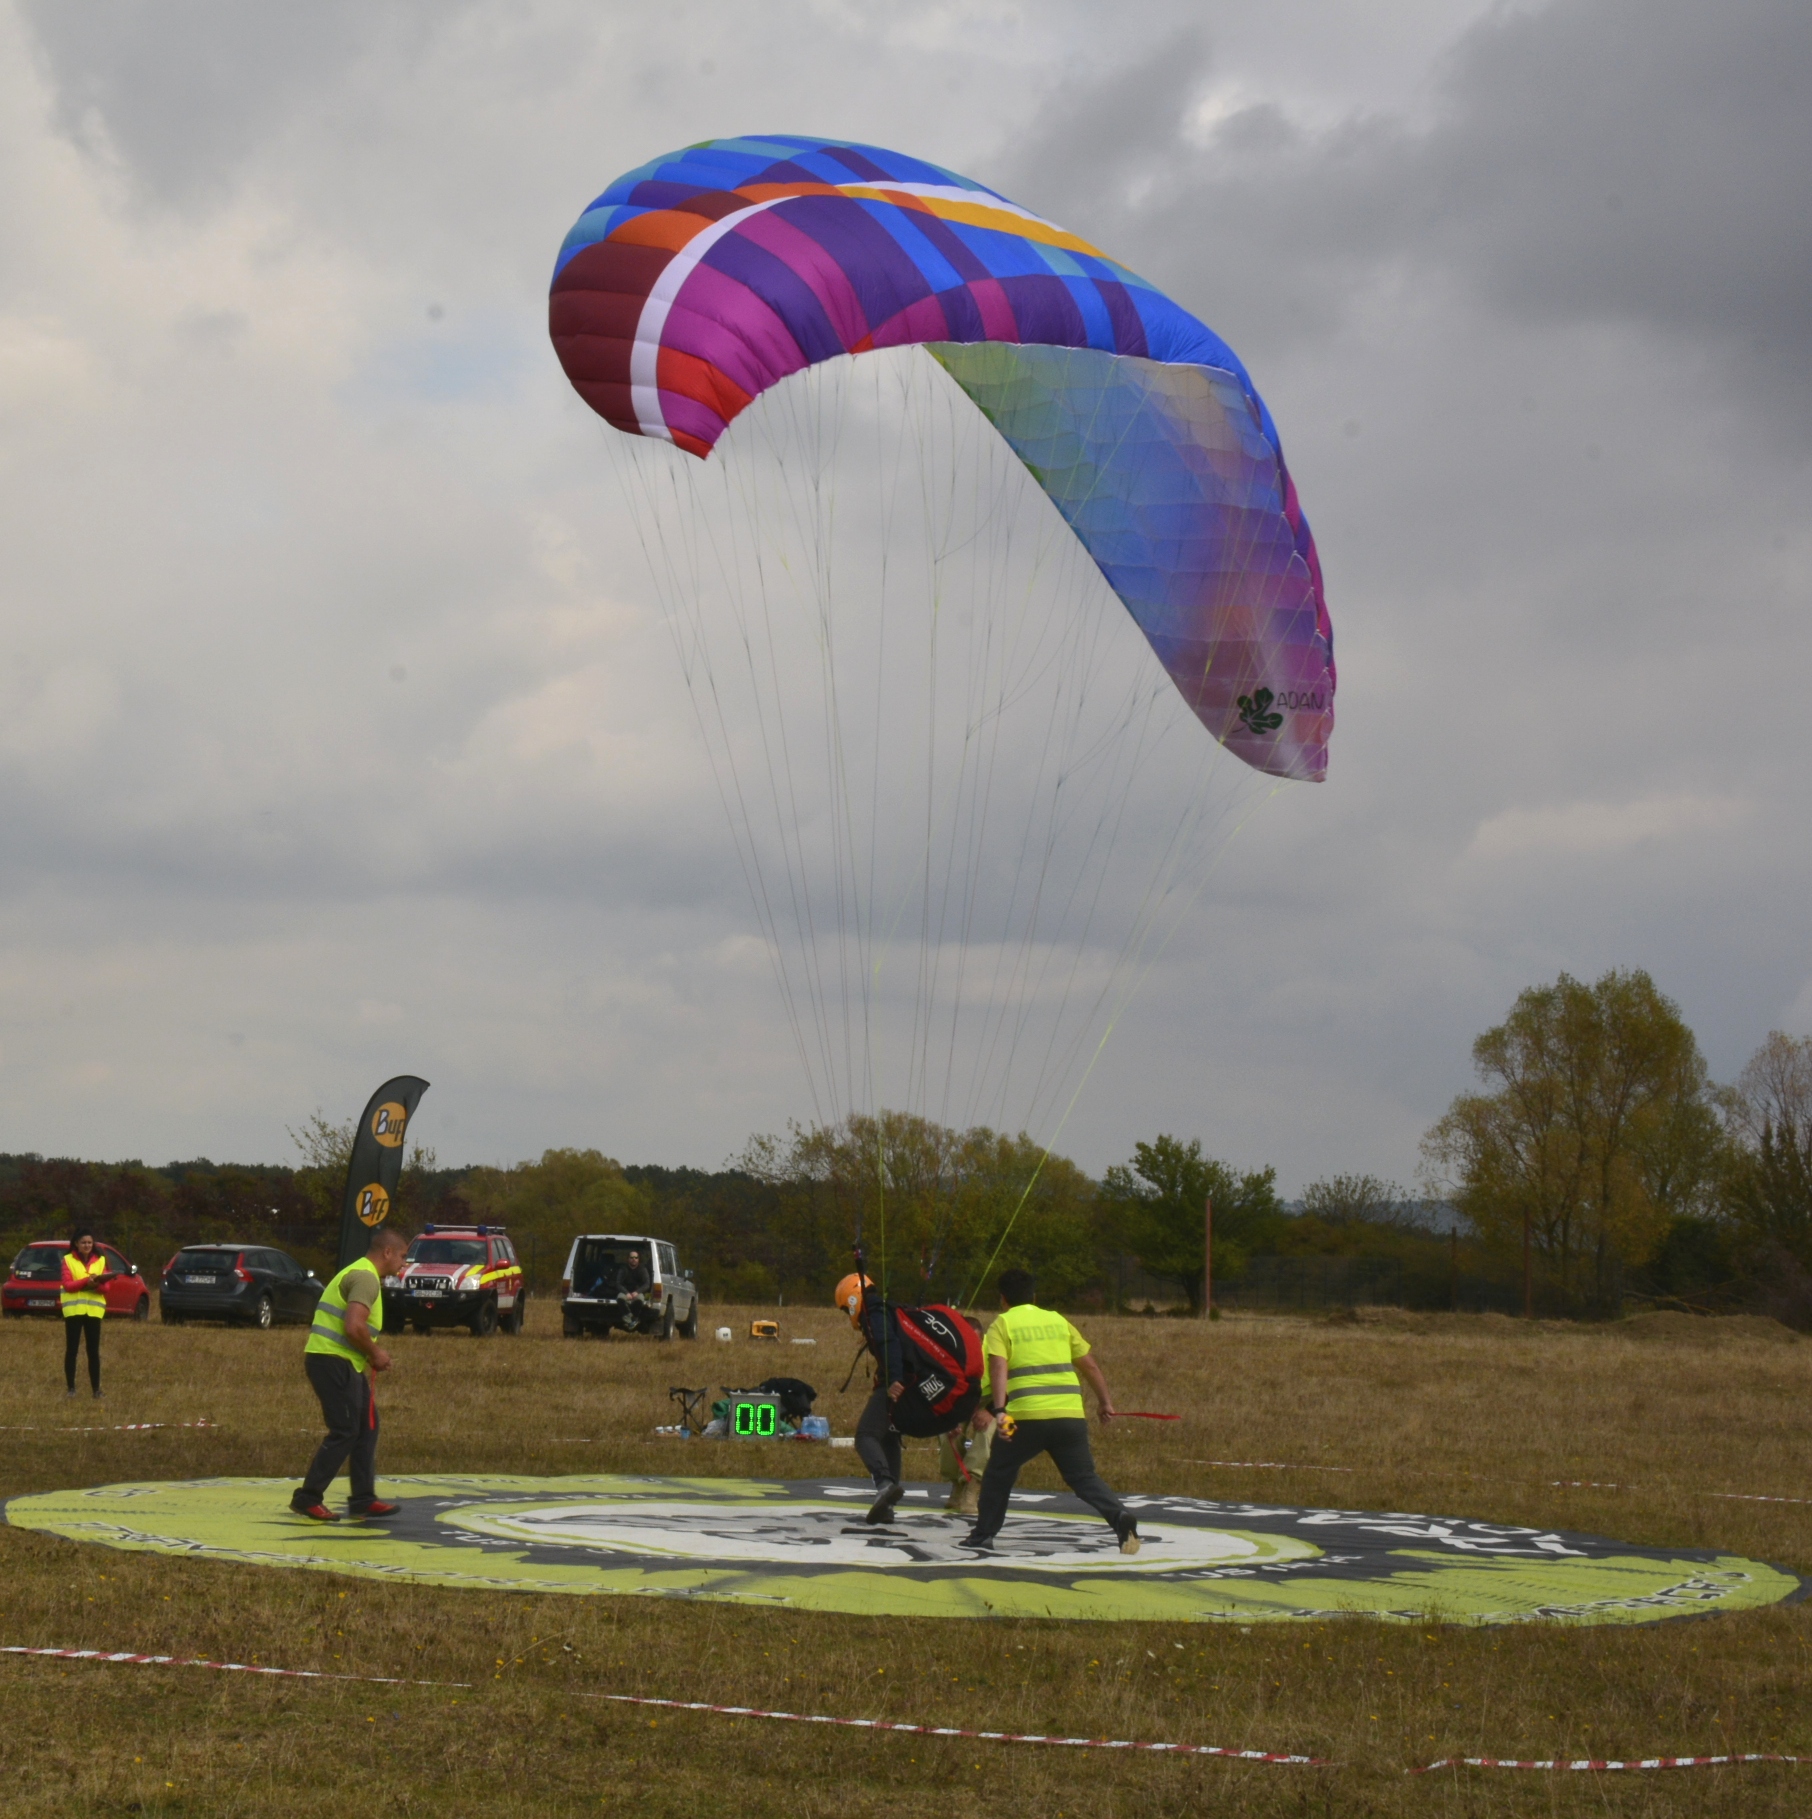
35	1281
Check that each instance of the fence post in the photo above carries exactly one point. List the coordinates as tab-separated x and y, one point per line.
1207	1254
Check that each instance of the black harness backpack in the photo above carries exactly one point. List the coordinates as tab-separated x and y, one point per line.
936	1354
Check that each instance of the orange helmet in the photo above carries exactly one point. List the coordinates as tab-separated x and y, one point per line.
849	1297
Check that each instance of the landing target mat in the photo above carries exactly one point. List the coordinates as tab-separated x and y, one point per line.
802	1543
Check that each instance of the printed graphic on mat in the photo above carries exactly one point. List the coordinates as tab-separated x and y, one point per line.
803	1543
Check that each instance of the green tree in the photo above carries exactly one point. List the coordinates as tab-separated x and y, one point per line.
932	1205
1155	1206
724	1223
546	1204
1598	1128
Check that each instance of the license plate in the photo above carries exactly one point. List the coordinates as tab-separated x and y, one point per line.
427	1294
201	1281
42	1301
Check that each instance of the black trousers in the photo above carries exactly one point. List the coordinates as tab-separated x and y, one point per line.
352	1429
76	1327
877	1445
1067	1443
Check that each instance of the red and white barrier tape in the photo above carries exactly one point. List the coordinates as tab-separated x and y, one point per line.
119	1427
1560	1765
1593	1763
225	1667
946	1730
1556	1484
678	1705
1268	1465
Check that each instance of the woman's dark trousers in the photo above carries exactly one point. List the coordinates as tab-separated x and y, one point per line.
75	1329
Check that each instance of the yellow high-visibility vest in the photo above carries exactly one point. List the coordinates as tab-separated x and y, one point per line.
1041	1349
328	1334
83	1297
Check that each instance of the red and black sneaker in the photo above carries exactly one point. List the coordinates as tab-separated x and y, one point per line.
316	1511
376	1507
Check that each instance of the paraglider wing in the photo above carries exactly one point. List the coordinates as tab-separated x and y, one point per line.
694	284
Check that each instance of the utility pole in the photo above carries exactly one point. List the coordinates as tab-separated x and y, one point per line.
1528	1280
1453	1266
1207	1255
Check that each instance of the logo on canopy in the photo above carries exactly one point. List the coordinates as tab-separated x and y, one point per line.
374	1205
1255	712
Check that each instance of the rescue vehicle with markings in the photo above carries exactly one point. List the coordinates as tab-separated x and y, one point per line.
458	1275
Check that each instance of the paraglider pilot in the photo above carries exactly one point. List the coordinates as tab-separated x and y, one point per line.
877	1443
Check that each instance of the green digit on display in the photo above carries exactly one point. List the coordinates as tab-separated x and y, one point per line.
745	1423
764	1418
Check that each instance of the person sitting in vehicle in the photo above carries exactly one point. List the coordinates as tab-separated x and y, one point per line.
603	1276
632	1278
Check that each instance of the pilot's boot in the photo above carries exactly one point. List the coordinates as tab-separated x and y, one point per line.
965	1499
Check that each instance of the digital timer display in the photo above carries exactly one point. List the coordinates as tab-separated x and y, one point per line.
755	1417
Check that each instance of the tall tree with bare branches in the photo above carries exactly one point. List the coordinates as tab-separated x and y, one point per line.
1769	1116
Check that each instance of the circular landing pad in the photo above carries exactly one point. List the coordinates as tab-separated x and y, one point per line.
803	1543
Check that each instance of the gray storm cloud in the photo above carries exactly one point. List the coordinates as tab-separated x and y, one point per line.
339	730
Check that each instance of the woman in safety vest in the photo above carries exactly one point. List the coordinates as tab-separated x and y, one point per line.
84	1304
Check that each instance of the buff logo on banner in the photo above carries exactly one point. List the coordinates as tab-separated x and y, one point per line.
388	1123
376	1162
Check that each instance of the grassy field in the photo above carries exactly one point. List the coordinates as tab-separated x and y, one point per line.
1670	1418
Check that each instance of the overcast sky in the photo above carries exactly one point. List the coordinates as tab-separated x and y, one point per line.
338	738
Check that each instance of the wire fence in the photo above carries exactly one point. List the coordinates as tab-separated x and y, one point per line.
1322	1284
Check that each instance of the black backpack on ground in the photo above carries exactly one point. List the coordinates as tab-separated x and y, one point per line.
796	1398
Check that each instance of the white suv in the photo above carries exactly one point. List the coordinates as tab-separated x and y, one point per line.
595	1297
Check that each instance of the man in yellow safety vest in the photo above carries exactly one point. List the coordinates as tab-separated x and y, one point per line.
1036	1360
342	1347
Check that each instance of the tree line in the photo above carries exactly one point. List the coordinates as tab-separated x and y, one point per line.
1595	1163
1599	1160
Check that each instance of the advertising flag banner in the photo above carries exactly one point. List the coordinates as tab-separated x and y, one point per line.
376	1163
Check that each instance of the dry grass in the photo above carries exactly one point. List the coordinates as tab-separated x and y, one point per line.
1468	1416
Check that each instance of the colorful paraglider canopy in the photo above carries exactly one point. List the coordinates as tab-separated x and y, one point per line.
692	285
